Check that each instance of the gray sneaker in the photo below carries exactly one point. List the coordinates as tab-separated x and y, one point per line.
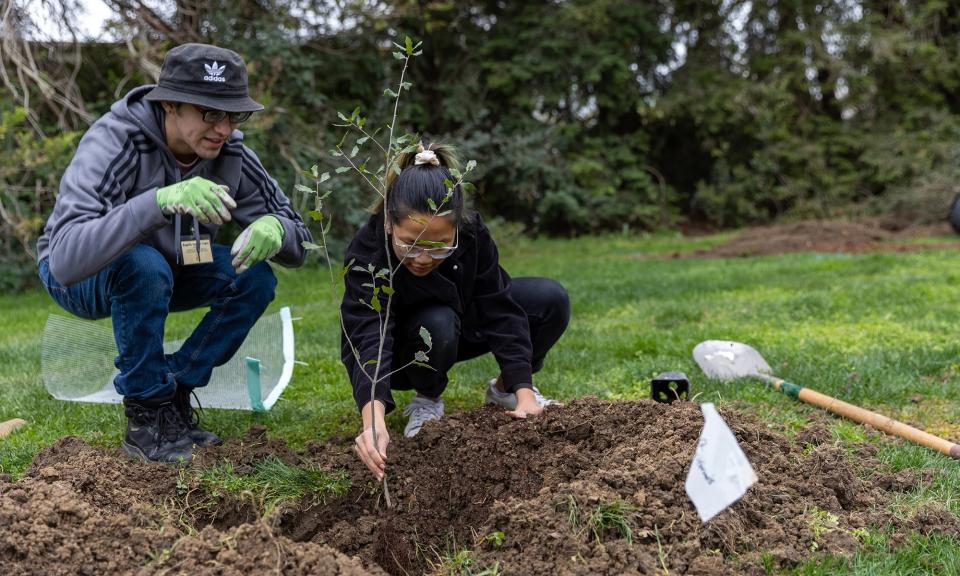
509	400
420	411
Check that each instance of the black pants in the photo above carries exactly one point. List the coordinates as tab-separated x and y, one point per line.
545	301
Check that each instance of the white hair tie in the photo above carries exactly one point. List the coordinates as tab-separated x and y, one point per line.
427	157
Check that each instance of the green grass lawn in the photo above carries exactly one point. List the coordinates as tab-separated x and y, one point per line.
872	330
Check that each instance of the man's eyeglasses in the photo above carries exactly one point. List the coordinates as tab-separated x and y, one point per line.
408	251
215	116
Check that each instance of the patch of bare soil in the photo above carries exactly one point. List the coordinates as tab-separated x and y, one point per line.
467	478
878	234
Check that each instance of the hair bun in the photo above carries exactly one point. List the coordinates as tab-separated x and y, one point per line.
427	157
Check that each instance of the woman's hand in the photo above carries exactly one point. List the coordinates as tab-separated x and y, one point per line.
364	446
526	404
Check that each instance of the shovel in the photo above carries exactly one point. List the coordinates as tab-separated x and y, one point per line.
729	360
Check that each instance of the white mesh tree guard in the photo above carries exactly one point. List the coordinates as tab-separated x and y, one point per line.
77	363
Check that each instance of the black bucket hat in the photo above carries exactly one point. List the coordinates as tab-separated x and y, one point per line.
206	76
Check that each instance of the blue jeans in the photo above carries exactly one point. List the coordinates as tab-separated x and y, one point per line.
139	290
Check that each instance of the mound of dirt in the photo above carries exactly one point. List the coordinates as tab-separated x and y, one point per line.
80	510
829	236
591	487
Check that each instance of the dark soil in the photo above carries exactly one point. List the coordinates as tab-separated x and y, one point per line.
463	479
879	234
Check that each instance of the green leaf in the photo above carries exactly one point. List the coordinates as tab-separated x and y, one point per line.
388	290
343	272
334	153
342	117
390	93
448	183
369	306
342	169
382	273
369	362
376	304
398	55
432	204
361	122
422	365
310	245
455	173
419	221
417	53
305	173
376	291
354	151
430	243
410	148
317	216
329	192
355	114
399	46
468	186
444	213
421	356
406	85
304	189
324	177
396	168
471	165
362	141
409	44
359	268
425	334
405	138
342	140
327	229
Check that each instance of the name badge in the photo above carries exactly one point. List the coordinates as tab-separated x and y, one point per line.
189	252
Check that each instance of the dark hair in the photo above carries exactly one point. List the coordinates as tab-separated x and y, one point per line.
410	191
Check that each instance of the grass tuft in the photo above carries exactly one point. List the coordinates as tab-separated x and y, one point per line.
275	482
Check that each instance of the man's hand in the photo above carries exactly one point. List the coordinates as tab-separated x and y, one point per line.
260	241
197	197
375	460
526	404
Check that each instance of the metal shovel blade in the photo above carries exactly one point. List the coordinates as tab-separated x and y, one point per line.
729	360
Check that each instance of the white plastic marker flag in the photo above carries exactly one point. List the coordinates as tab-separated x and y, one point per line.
720	473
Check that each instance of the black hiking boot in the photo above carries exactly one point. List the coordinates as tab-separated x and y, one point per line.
156	432
191	418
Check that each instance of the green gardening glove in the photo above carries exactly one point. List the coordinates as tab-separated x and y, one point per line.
260	241
197	197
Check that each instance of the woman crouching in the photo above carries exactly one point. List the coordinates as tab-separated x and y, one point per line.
448	280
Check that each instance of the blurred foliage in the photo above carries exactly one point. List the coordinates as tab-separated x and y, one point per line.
750	110
30	171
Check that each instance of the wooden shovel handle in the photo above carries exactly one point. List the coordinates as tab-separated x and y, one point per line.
857	414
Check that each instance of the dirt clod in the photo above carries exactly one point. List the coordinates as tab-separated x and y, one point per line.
816	434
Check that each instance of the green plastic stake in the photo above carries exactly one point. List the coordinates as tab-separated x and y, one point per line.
253	385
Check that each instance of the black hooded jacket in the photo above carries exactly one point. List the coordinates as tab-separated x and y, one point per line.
471	282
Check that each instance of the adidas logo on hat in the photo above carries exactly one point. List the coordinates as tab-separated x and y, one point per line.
214	73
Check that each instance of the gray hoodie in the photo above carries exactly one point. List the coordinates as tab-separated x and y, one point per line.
108	195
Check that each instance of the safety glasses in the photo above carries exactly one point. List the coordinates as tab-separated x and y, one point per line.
408	251
215	116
